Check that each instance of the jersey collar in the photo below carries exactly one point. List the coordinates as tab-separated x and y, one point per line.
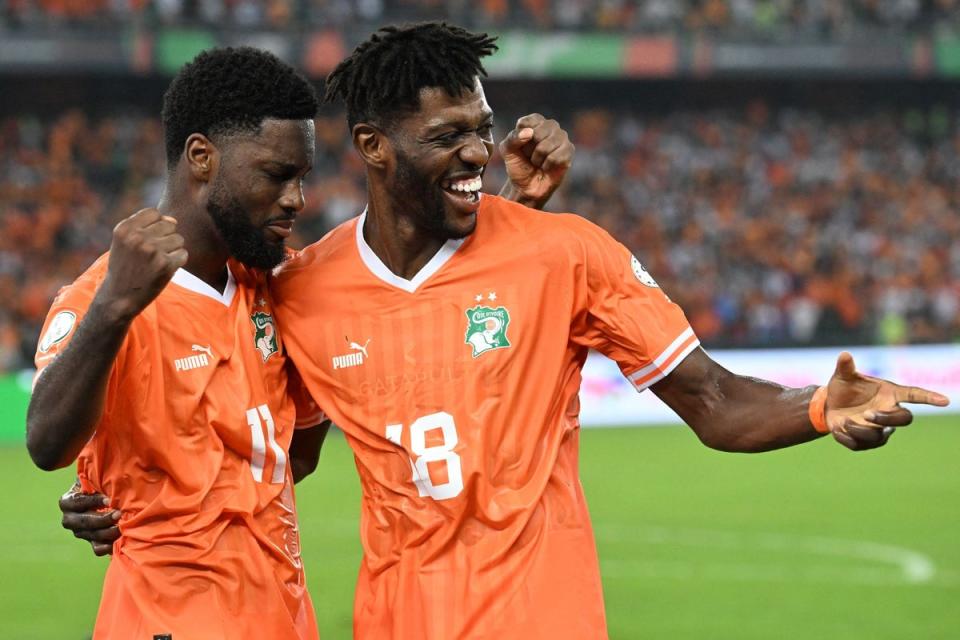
187	280
380	270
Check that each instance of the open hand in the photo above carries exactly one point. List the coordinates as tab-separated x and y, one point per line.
862	412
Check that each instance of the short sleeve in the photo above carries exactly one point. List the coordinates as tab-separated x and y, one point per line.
622	312
309	413
65	315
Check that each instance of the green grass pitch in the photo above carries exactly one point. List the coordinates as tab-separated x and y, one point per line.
813	542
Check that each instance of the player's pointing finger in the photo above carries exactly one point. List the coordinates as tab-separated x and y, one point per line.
916	395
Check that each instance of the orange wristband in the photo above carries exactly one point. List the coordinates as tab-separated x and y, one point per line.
818	410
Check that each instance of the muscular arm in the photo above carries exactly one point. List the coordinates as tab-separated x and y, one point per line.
305	450
736	413
69	395
68	398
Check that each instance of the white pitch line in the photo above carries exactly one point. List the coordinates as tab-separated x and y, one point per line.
912	566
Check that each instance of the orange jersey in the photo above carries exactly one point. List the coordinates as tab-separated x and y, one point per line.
458	393
192	448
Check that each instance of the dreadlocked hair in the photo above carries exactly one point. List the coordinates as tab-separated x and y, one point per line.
231	90
382	78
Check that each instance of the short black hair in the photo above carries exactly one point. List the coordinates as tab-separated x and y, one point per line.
383	76
232	89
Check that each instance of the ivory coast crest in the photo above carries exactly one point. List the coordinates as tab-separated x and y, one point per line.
487	329
265	334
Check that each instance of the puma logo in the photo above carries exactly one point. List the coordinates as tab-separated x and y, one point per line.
363	349
352	359
195	361
202	349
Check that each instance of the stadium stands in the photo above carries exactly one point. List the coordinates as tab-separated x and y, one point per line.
818	19
770	226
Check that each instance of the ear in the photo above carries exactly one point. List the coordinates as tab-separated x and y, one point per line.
202	157
372	145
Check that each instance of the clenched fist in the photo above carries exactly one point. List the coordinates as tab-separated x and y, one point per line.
145	253
537	154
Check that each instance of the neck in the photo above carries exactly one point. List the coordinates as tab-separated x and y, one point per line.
207	253
395	239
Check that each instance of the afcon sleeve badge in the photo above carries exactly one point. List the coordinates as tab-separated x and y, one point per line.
60	327
641	273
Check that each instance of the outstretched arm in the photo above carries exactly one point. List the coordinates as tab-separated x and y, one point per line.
68	397
738	413
537	154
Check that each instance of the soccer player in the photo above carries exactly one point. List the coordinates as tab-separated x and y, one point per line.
160	370
477	315
163	369
444	332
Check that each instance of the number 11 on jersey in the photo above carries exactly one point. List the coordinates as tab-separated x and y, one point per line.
439	453
258	418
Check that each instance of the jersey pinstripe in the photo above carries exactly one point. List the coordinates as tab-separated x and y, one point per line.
461	409
193	449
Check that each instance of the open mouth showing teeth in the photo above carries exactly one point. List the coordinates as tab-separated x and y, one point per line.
468	189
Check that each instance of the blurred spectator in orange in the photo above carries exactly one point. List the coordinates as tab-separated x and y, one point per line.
771	227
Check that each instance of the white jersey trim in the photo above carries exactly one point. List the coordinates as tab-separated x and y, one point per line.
376	266
187	280
666	362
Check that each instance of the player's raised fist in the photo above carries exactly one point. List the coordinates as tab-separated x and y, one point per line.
145	253
537	154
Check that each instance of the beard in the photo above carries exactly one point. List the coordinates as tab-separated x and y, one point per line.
245	241
419	196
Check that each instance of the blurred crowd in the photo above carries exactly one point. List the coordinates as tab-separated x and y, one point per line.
771	227
785	227
774	18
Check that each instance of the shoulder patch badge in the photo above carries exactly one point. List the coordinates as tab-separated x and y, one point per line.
265	335
487	329
641	273
60	327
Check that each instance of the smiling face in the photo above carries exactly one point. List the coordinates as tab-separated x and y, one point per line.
441	151
258	190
